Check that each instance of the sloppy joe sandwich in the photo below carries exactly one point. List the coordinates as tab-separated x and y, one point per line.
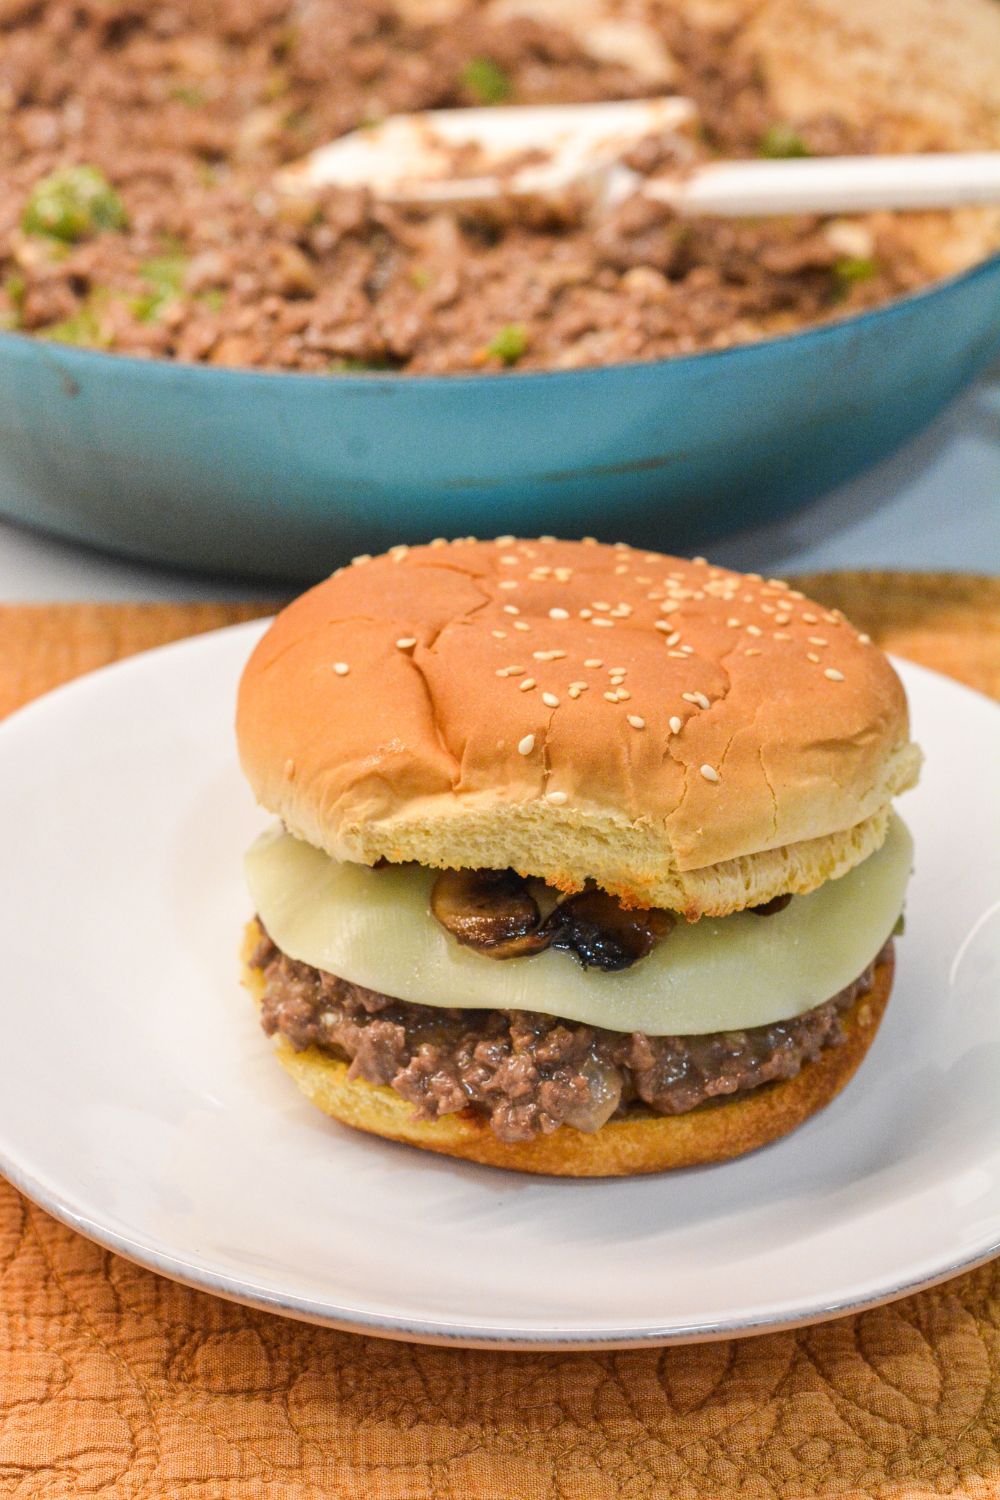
586	862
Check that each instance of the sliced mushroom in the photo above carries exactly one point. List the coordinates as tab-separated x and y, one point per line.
768	908
489	910
602	934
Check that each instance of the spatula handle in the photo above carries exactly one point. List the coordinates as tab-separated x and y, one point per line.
833	184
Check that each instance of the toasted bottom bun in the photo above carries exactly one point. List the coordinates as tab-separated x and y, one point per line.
622	1148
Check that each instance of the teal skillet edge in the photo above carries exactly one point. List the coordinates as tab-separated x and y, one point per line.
284	475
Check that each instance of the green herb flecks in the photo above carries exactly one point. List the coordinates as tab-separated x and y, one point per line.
164	277
82	328
486	81
14	288
509	344
375	366
782	141
189	94
852	268
73	204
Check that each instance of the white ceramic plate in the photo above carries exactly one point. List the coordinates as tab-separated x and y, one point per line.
141	1104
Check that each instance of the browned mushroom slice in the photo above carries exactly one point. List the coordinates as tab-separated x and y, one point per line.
768	908
490	910
602	934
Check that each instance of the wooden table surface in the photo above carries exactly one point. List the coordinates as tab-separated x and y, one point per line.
117	1383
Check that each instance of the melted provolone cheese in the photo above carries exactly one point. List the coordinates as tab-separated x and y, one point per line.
375	928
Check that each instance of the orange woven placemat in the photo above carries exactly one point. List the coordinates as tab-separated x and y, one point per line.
116	1383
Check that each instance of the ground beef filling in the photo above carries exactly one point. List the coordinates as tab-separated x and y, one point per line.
529	1074
187	110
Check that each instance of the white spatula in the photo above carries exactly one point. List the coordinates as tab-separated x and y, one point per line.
461	156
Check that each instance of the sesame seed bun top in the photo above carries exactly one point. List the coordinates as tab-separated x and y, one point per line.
684	735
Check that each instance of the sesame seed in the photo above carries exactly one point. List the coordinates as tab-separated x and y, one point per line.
558	614
641	578
550	700
574	692
362	557
754	630
782	635
709	773
548	655
610	697
593	661
586	614
521	625
510	671
622	694
865	640
752	652
622	611
810	619
406	641
525	746
687	650
817	640
546	538
590	541
777	583
833	674
679	655
782	619
581	687
341	668
702	701
608	624
601	604
505	541
563	575
767	609
511	609
557	797
673	638
733	623
663	625
439	541
834	619
811	656
636	722
676	724
622	568
508	583
498	635
510	562
526	685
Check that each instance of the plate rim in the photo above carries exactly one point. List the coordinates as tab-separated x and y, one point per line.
302	1308
458	1335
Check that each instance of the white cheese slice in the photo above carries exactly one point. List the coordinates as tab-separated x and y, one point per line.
375	928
